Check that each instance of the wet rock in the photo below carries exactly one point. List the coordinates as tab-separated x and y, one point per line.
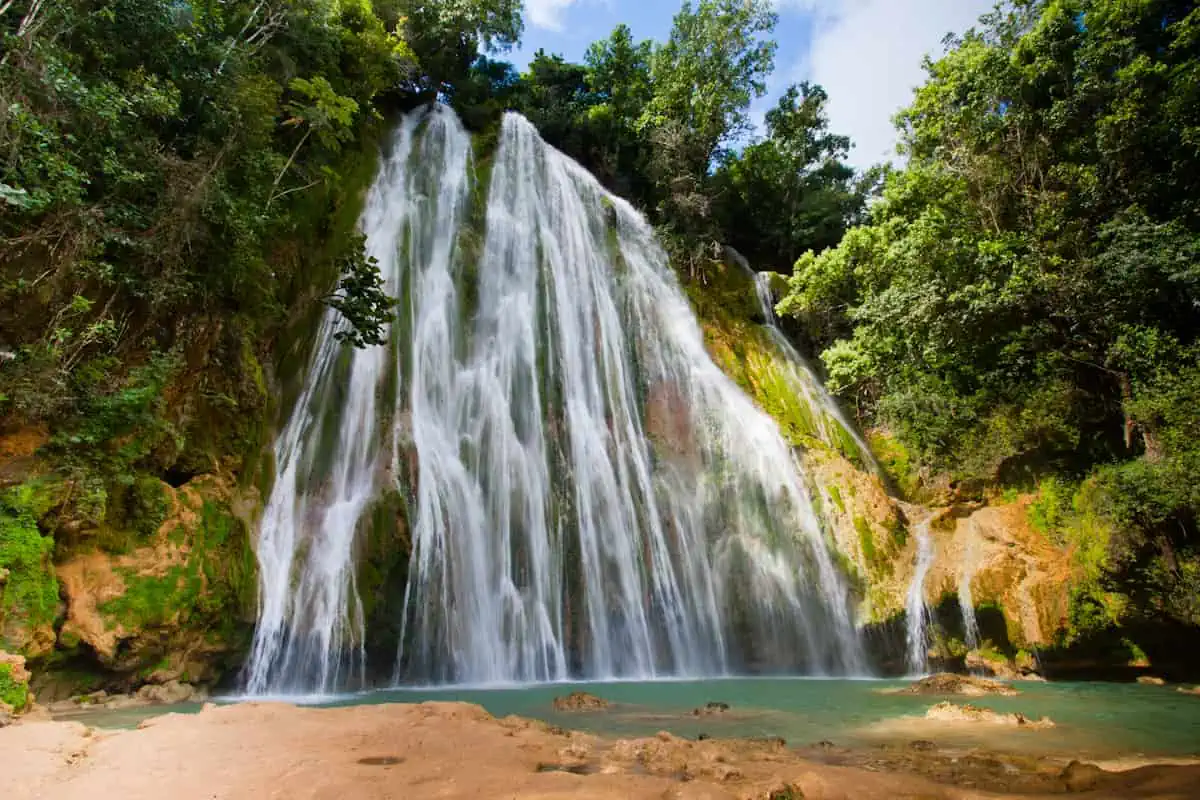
170	693
1151	680
966	685
1194	690
922	745
119	701
709	709
580	701
1079	777
950	712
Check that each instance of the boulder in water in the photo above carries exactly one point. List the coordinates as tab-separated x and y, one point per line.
170	693
580	701
710	708
1151	680
1194	690
966	685
951	712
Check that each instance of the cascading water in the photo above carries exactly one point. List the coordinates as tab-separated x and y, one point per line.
310	629
589	495
916	612
966	603
802	379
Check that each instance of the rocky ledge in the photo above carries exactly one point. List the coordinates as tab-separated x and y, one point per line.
967	685
164	694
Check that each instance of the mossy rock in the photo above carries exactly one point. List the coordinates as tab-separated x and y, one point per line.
29	589
181	604
14	682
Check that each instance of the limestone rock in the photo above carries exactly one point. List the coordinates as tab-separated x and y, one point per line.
141	612
170	693
709	709
950	712
580	701
1151	680
966	685
1195	690
1079	777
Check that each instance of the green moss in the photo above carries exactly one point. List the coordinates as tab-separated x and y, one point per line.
29	596
897	462
1052	508
866	540
12	692
213	590
835	494
897	534
154	600
135	510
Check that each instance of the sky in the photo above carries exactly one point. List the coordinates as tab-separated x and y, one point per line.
866	53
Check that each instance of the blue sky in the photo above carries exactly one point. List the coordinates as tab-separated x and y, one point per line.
866	53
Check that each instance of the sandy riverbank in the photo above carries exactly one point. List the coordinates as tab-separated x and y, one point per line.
455	750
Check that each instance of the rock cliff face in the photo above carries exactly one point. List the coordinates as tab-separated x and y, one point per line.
105	607
164	589
175	608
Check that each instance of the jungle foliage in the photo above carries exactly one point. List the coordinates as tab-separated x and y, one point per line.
667	125
1023	303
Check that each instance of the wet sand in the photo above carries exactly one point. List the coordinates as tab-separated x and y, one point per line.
457	750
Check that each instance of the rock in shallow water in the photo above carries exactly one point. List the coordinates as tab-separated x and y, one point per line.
951	712
580	701
967	685
1151	680
170	693
709	709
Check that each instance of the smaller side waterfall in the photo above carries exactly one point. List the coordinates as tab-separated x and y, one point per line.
966	602
916	612
832	425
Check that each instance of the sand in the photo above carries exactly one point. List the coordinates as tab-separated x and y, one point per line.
457	750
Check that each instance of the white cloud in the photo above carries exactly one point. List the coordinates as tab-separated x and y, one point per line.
867	54
547	14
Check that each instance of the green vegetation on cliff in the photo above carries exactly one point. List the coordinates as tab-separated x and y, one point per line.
179	191
1020	306
13	693
28	590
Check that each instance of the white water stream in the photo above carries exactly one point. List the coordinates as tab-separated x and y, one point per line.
916	611
590	495
966	602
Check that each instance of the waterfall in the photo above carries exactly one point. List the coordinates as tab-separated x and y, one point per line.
310	632
966	602
589	495
916	611
832	425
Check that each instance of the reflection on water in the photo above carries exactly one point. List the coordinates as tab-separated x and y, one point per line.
1094	720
